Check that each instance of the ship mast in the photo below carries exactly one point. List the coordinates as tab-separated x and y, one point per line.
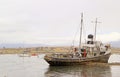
96	22
81	33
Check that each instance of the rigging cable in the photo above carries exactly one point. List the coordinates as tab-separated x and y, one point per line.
73	42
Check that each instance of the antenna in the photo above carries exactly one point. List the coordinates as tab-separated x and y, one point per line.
96	22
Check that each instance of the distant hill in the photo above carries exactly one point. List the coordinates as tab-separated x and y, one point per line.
115	44
22	45
18	45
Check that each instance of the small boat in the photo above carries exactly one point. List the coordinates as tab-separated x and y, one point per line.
24	54
90	51
34	54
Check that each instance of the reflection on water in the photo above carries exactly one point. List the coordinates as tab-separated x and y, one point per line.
15	66
78	71
115	70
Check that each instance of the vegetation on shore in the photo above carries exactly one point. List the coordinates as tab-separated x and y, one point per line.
34	50
43	50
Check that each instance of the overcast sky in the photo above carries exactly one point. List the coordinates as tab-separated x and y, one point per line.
56	21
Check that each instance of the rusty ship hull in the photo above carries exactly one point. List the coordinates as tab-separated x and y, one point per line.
52	61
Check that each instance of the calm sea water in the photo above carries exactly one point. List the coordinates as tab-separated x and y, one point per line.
15	66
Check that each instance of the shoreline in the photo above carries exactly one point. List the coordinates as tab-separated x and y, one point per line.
44	50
